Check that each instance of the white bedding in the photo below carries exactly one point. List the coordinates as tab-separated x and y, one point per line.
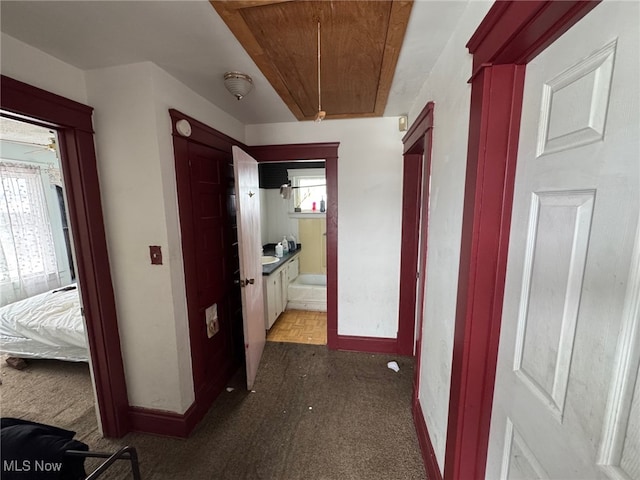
49	325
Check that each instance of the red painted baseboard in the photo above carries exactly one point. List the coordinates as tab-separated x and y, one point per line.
426	448
367	344
161	422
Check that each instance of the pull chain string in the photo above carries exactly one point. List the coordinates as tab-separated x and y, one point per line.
319	94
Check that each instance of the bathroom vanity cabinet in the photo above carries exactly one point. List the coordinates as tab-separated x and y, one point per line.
275	286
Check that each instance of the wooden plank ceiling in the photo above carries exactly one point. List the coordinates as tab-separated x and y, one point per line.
360	44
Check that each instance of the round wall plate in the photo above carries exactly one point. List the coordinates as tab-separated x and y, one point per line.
183	127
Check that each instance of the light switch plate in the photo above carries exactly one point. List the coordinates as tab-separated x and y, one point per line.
155	252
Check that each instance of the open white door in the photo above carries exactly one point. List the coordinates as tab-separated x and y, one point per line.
249	248
567	395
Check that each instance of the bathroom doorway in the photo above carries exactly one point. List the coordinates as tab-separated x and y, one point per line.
301	154
293	199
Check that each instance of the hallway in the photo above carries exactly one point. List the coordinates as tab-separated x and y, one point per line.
314	414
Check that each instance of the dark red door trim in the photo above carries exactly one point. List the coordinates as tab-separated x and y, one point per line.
73	122
411	200
416	140
171	424
511	34
328	152
205	390
424	440
415	227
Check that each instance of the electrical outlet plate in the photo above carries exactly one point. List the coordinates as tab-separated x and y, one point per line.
211	319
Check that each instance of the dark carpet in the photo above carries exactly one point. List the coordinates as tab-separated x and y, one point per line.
315	414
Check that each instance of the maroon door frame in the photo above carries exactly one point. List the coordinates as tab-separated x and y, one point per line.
206	390
415	225
72	121
417	154
171	424
511	34
329	153
411	201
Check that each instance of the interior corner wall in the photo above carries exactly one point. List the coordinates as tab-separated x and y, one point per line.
132	199
137	174
369	215
29	65
170	93
137	177
277	222
447	86
264	235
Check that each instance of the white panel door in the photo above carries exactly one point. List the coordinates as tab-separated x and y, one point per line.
569	346
245	170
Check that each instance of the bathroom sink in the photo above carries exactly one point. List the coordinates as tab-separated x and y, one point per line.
268	260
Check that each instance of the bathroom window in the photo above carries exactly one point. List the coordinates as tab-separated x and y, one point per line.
311	189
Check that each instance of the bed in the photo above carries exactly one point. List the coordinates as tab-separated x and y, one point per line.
48	325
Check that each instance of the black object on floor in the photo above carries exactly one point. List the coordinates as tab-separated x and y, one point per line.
36	451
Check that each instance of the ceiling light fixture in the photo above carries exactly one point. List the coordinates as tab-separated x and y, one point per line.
321	113
239	84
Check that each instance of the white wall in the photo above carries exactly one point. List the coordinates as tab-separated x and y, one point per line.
30	65
137	176
264	216
277	222
133	206
170	93
369	215
447	87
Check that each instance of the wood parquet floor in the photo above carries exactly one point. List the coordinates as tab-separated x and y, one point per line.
299	326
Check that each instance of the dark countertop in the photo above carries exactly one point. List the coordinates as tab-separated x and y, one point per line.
269	249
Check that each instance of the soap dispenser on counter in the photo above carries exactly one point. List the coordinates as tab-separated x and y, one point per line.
279	250
285	245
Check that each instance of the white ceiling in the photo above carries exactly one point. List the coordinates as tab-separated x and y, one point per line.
190	41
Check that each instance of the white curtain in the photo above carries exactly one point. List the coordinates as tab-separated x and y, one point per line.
28	263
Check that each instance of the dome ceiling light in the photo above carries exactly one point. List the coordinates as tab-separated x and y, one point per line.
239	84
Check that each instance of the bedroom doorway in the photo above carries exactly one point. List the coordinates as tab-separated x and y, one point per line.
37	249
73	123
44	349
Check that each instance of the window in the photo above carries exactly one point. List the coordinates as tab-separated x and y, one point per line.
28	263
65	230
311	189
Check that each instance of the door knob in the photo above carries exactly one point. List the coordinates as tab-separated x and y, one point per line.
248	281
